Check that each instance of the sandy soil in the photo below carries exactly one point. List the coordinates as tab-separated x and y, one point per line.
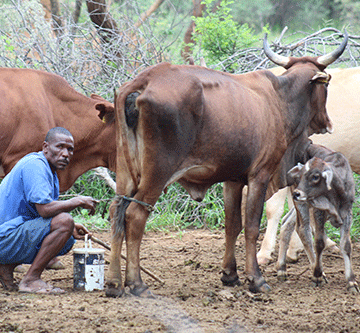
192	298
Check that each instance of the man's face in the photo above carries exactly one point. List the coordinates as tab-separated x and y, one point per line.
59	150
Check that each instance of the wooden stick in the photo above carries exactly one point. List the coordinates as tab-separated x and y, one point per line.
106	246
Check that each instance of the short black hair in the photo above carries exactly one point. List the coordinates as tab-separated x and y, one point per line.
56	130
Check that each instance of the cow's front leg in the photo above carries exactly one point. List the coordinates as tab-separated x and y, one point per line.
233	226
287	230
319	221
254	209
303	228
114	286
345	246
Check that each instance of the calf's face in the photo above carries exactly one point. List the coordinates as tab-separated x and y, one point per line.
312	180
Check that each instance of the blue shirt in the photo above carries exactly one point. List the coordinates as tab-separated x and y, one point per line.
30	182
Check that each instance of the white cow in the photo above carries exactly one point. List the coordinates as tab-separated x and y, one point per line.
343	107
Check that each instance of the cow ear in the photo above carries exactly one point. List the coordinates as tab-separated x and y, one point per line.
321	77
105	108
328	176
293	175
106	112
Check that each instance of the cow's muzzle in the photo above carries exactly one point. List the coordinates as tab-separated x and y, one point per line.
299	195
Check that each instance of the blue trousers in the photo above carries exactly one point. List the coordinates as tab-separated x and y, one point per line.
23	244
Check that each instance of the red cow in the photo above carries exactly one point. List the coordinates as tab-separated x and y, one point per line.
32	102
197	127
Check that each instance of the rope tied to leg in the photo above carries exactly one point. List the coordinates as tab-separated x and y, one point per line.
149	208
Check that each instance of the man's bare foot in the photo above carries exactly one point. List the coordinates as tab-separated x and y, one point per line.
38	287
20	269
7	277
55	264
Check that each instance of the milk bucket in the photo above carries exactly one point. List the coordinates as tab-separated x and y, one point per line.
89	266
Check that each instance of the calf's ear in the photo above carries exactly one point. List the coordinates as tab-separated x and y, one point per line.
294	174
328	176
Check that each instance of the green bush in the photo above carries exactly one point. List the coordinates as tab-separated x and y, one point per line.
218	36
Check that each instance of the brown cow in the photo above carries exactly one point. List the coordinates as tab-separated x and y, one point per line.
197	126
325	190
32	102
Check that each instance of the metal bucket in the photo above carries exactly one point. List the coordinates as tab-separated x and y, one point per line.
89	266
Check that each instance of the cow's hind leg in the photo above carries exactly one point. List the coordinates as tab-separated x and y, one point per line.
136	216
345	246
114	286
233	226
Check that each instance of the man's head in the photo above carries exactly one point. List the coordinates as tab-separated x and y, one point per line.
58	147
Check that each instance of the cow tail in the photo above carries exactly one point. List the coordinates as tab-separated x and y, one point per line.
121	203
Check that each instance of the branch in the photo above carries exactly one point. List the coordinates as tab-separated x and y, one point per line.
145	15
104	174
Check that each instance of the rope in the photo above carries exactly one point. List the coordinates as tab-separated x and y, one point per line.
149	207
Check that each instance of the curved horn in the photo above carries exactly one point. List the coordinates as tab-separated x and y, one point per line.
329	58
274	57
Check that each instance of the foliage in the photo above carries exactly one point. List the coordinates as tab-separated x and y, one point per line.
350	12
90	184
218	35
175	210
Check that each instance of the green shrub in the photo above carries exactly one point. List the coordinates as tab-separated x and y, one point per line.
218	35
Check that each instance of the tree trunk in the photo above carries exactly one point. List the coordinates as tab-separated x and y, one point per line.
186	52
47	8
77	11
103	21
56	17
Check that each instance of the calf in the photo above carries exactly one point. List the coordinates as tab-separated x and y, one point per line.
325	191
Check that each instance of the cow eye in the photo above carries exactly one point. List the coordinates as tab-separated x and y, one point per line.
315	178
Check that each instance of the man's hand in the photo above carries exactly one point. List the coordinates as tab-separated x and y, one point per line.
80	231
88	203
64	206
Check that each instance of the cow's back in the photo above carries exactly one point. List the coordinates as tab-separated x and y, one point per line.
32	102
343	105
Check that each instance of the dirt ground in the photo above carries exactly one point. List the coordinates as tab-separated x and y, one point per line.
192	299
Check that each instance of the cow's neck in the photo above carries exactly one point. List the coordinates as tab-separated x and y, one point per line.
295	91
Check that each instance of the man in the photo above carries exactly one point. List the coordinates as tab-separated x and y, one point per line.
35	226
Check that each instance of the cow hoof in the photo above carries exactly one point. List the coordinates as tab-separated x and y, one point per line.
259	286
114	290
230	280
333	249
264	260
319	281
281	275
353	288
141	291
292	259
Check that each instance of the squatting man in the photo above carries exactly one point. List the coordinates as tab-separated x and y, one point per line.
35	226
